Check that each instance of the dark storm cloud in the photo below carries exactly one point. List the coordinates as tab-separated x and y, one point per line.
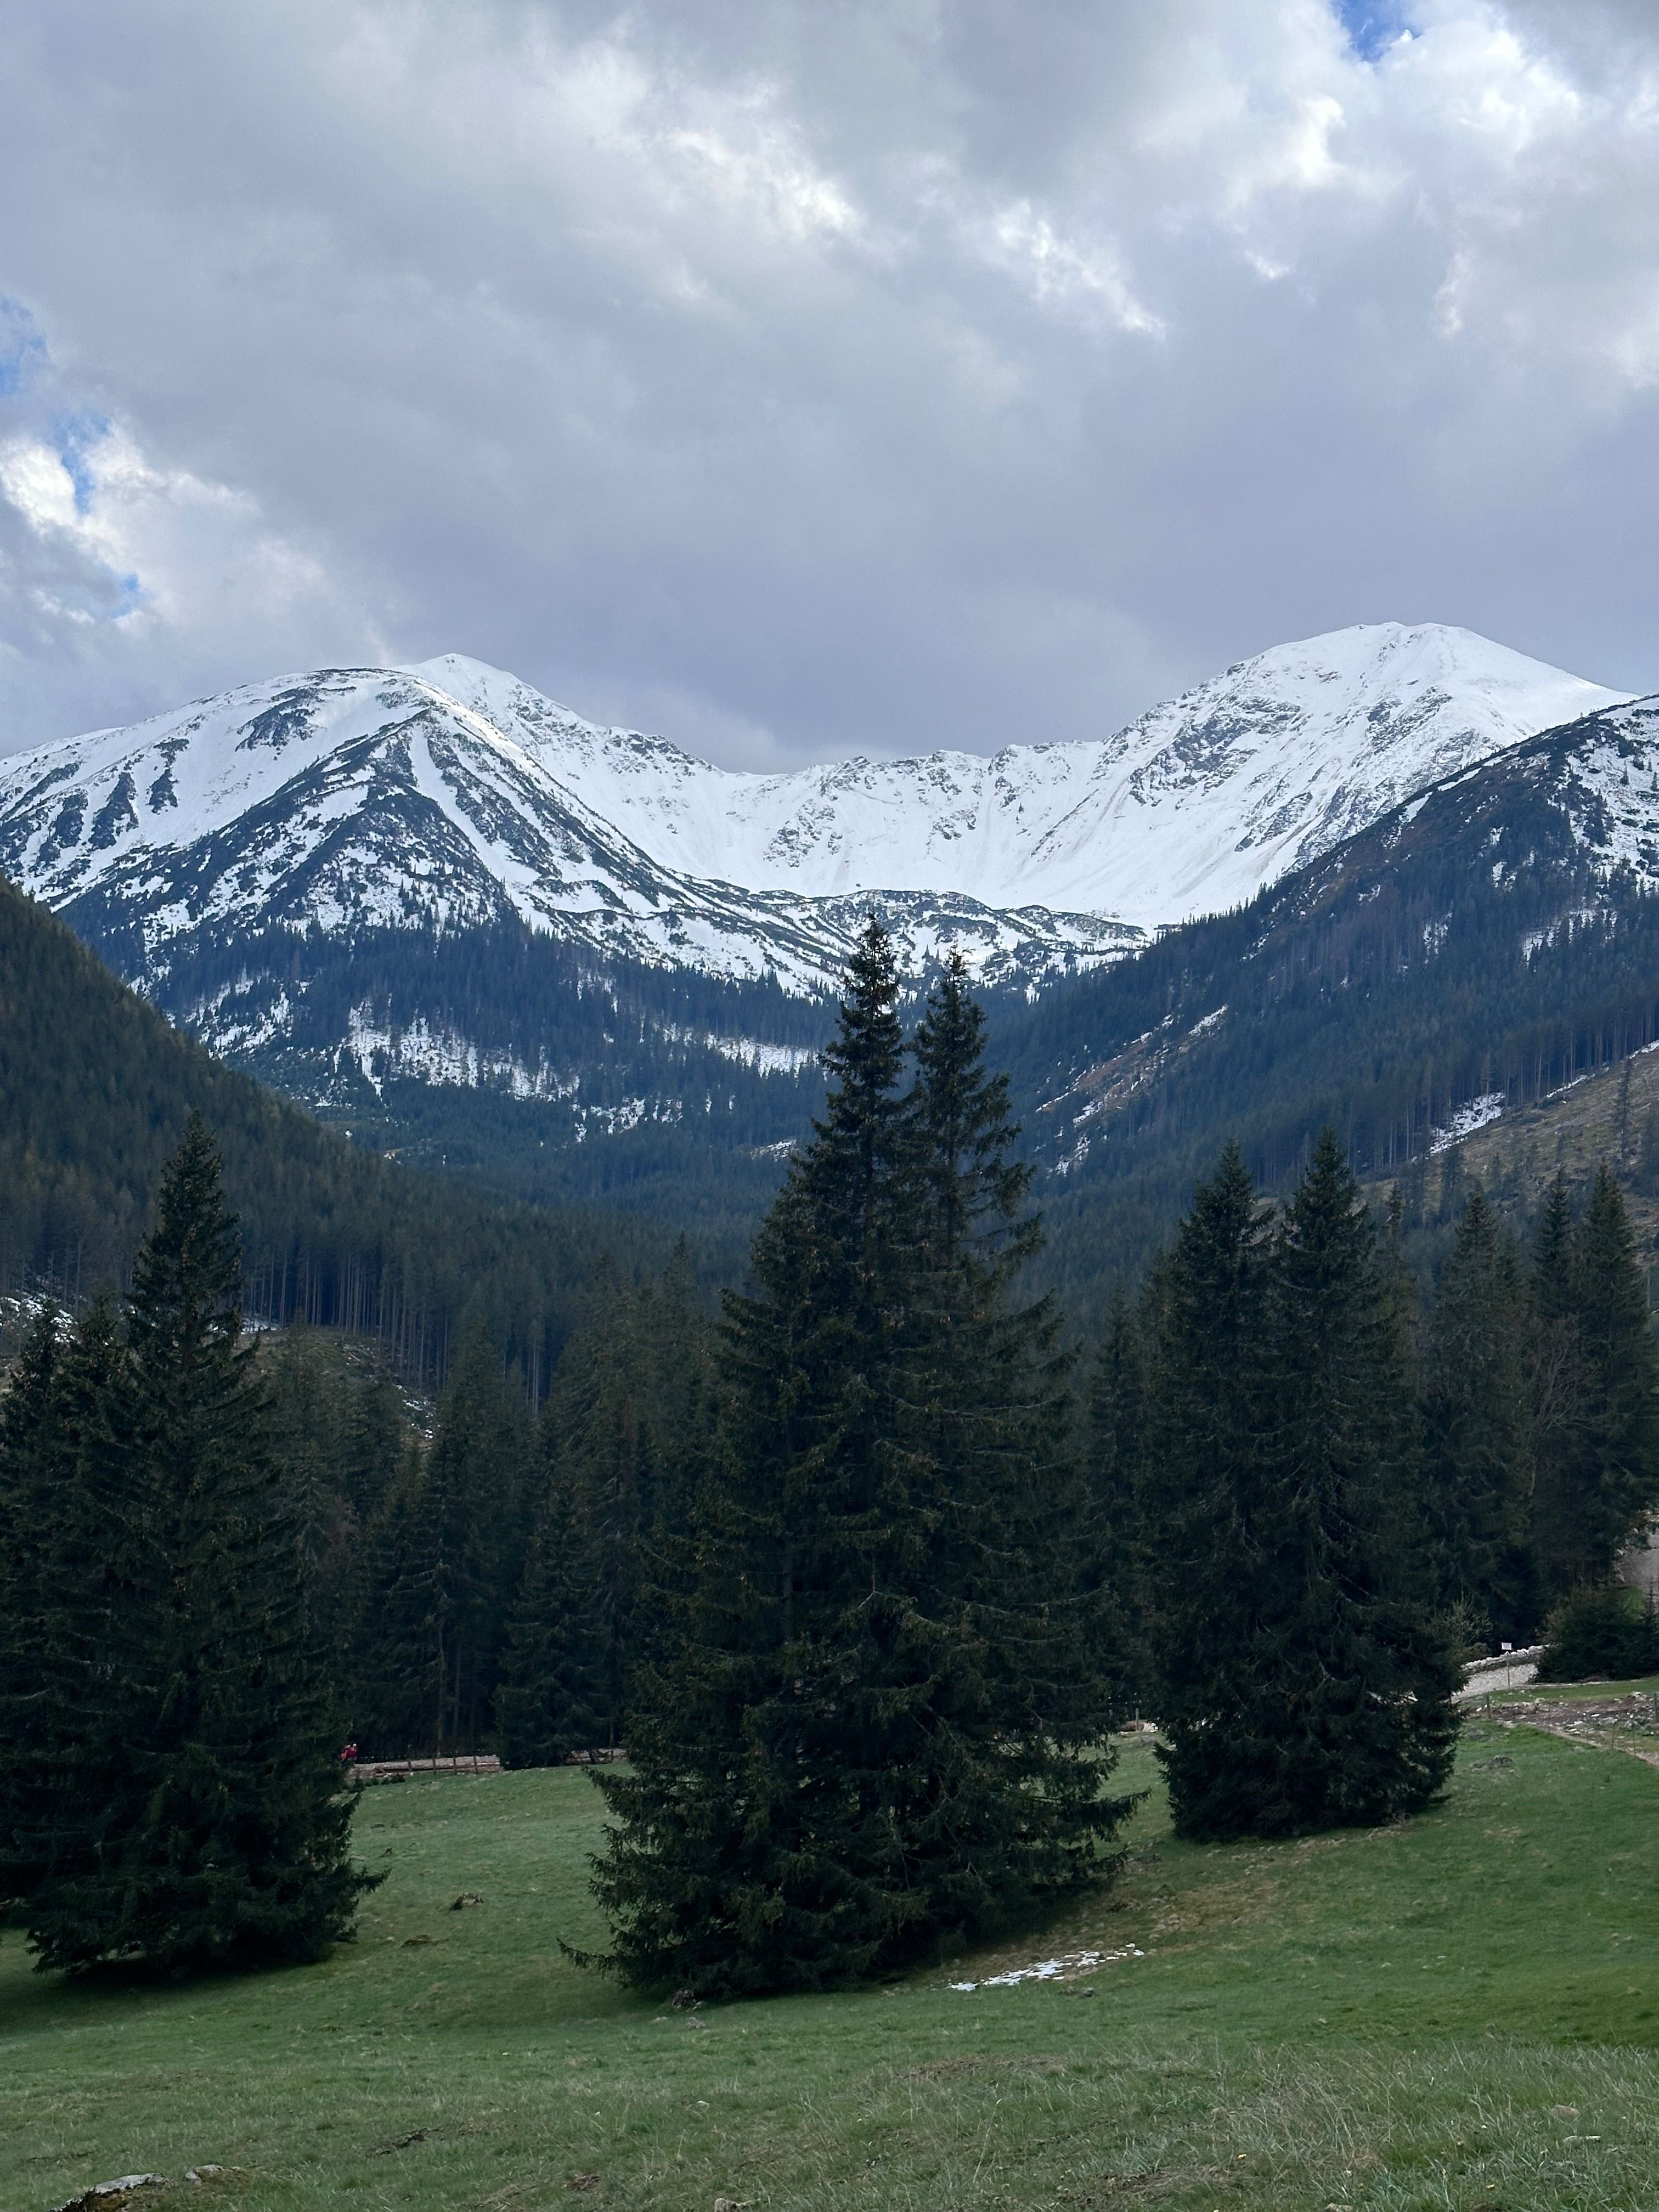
800	381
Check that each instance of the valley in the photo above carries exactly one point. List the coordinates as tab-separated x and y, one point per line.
1456	2010
575	965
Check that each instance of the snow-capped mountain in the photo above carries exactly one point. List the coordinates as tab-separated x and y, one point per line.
371	799
1190	810
451	796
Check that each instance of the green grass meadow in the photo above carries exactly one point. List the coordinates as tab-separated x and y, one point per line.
1459	2012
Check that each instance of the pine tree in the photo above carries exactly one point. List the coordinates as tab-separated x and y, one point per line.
91	1646
599	1440
1203	1480
1121	1560
1015	1539
552	1705
1329	1701
399	1670
831	1764
30	1508
1620	1469
1477	1430
203	1820
443	1553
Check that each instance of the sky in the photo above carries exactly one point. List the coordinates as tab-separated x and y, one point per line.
801	381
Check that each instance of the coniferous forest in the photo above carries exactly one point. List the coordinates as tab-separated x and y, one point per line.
843	1586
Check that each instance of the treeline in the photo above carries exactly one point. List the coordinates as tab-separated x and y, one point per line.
95	1092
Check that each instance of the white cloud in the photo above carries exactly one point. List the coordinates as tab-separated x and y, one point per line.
865	377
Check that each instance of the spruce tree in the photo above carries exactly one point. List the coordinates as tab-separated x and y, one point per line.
1120	1555
99	1573
1329	1702
399	1670
598	1441
1559	1384
444	1549
30	1508
552	1705
844	1756
1033	1654
1203	1480
203	1820
1620	1409
1477	1430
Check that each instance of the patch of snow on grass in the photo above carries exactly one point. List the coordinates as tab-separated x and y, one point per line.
1054	1970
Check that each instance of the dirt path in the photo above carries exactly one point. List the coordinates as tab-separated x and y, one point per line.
1630	1724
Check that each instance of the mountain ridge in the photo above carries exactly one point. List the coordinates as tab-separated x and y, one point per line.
450	795
1045	822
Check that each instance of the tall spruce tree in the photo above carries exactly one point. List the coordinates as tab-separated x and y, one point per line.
92	1568
552	1705
202	1819
30	1509
1038	1660
1559	1381
1595	1404
1620	1412
1334	1704
831	1772
599	1441
1119	1556
443	1553
1477	1430
1203	1479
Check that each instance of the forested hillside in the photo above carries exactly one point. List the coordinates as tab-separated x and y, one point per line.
513	1057
1469	957
95	1090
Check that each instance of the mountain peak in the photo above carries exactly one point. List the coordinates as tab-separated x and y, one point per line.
449	793
1191	808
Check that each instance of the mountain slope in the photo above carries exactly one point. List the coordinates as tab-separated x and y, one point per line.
576	964
453	796
95	1089
1487	945
368	798
1191	809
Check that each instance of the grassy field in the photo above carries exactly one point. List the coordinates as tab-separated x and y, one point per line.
1460	2012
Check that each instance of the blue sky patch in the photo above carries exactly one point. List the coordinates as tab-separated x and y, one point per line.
1372	26
75	436
22	349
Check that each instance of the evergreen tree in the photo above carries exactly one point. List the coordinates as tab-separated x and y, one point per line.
30	1505
307	1410
93	1571
1333	1704
832	1766
443	1553
201	1819
551	1703
1203	1478
599	1440
399	1672
996	1454
1620	1417
1120	1558
1477	1430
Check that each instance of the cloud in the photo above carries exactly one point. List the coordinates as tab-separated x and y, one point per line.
811	381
